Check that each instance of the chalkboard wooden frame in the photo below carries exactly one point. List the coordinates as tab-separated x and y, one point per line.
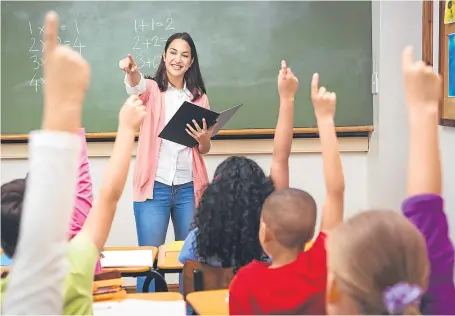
250	133
444	30
427	49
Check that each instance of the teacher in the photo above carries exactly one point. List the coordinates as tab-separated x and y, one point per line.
168	177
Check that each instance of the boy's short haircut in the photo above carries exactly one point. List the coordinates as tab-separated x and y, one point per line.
290	214
12	198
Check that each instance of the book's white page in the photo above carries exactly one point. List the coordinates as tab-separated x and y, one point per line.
140	307
127	258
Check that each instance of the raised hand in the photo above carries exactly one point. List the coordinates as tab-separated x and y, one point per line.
422	86
128	64
67	75
287	82
132	114
324	102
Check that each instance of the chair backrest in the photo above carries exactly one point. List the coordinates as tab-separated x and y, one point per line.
203	277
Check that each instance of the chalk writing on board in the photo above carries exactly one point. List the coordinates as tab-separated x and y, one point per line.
69	36
149	40
140	25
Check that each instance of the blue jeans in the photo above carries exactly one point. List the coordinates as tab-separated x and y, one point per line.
152	217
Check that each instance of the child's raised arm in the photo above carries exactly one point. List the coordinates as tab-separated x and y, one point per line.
287	87
100	219
422	92
324	103
36	282
425	206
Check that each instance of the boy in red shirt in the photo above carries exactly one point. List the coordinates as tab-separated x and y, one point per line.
295	281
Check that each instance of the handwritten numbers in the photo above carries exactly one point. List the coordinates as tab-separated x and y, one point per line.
38	62
32	47
169	24
155	39
34	83
156	61
77	27
78	45
140	61
137	42
36	47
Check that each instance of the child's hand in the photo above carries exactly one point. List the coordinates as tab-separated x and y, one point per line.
422	86
324	102
287	82
66	75
128	64
132	113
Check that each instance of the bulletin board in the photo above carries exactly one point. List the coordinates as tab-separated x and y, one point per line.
447	61
446	57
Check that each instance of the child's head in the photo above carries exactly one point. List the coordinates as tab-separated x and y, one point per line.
288	221
377	264
228	215
12	200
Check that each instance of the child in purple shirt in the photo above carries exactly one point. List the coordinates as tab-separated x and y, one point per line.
424	206
426	211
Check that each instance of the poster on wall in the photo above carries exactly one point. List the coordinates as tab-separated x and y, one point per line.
451	64
449	13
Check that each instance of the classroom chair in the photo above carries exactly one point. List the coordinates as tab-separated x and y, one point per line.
203	277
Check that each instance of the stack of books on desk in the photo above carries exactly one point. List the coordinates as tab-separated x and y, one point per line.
108	286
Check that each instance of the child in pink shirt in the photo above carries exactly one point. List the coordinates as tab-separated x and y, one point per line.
84	194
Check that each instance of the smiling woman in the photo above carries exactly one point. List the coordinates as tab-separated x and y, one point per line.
168	177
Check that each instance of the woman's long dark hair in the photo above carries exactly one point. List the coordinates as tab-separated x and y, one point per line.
229	214
193	77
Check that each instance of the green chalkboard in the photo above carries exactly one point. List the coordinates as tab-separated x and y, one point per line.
240	46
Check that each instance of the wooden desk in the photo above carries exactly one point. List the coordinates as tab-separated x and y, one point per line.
209	302
132	269
149	272
168	296
168	261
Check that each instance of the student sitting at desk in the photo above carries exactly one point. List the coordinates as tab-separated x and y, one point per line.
85	247
295	281
226	224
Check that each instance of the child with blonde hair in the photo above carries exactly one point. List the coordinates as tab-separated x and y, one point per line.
383	263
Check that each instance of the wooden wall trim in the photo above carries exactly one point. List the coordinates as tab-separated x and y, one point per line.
219	147
443	121
239	132
427	32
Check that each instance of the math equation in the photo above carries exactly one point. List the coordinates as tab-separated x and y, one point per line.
149	39
36	48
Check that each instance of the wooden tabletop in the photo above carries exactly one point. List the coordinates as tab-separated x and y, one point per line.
169	260
209	302
132	269
156	296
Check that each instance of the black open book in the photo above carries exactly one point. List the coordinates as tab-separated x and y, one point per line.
175	129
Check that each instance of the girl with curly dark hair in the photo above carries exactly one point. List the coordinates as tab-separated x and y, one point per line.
226	224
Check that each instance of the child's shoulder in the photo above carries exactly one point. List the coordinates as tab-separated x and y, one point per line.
251	269
422	202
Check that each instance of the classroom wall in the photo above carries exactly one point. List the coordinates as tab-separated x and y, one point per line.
376	179
395	25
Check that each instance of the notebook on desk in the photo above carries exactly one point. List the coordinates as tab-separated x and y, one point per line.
140	307
127	258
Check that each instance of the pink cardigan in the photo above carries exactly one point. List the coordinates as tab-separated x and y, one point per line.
149	146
